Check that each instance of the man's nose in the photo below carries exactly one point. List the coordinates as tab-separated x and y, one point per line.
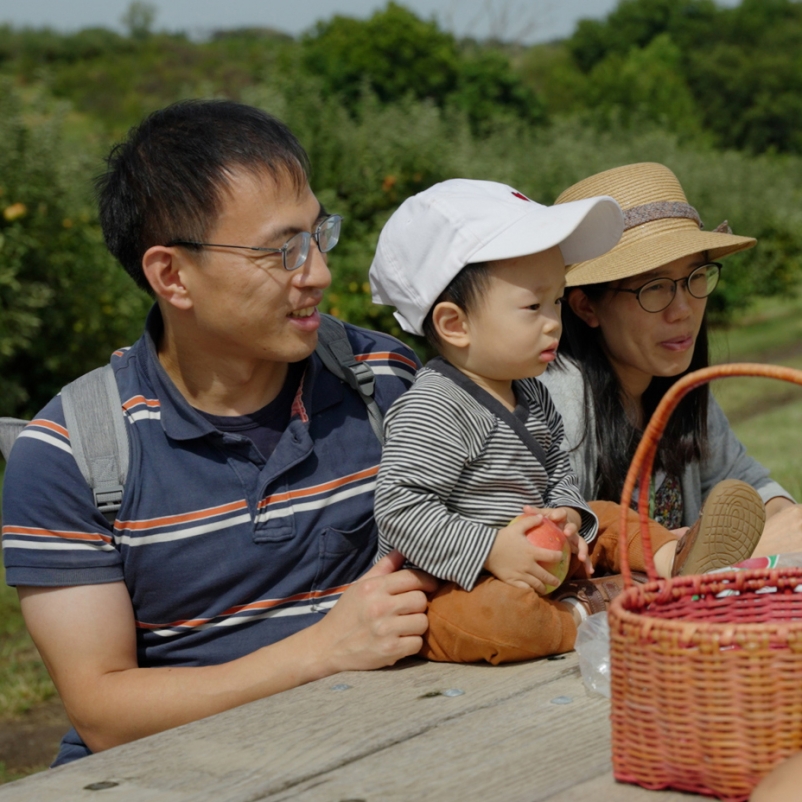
315	271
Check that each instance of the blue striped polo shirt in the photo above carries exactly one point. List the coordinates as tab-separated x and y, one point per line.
222	551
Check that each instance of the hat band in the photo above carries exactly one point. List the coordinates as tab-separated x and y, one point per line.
659	210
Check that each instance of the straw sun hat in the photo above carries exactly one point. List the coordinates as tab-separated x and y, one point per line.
659	224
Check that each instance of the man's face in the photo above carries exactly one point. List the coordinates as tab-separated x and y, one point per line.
246	305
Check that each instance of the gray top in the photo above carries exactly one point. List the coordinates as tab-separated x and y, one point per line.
726	459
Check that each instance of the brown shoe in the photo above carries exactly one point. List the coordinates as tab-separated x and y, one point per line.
594	594
726	532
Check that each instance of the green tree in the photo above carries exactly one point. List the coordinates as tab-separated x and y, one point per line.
64	304
138	19
394	53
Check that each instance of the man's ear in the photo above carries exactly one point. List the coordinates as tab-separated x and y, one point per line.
582	307
451	324
162	267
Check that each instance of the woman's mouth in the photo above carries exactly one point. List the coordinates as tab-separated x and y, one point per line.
678	344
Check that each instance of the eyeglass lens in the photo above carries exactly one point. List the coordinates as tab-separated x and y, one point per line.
658	294
327	234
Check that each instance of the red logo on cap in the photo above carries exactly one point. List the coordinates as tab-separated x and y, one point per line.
521	196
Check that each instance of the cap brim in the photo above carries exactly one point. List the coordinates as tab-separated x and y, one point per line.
657	250
583	229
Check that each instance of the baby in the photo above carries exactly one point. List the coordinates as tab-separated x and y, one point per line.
480	270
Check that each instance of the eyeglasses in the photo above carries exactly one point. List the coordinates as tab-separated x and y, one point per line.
657	294
295	250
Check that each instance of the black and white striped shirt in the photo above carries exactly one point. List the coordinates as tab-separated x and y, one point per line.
452	474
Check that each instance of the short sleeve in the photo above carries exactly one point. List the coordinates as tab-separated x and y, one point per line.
53	535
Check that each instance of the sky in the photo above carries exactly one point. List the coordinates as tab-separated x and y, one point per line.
513	20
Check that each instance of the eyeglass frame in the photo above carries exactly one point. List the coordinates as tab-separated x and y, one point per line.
309	236
675	281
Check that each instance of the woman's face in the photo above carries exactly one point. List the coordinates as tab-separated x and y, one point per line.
640	344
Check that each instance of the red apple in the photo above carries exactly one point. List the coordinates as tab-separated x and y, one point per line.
549	536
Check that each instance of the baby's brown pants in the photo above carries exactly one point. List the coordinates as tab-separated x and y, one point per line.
500	623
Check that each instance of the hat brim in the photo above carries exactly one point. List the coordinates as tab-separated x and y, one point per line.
640	256
583	229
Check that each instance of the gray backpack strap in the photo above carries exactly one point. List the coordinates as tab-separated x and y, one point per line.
96	423
335	351
9	432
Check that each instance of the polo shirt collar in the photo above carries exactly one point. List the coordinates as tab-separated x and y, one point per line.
320	389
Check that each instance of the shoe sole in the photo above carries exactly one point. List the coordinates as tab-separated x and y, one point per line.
731	524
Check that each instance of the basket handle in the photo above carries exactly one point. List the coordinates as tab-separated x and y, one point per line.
643	461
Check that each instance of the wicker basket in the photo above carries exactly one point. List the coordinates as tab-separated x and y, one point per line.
706	684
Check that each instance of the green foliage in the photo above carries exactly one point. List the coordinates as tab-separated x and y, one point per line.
138	19
385	107
395	54
64	304
737	71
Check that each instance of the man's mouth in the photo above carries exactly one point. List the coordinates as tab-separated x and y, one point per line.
307	311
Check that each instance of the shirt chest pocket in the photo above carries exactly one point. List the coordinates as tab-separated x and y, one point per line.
345	554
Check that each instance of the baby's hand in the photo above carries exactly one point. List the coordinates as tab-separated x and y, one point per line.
569	520
514	560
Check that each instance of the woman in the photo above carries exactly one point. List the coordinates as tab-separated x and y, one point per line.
634	322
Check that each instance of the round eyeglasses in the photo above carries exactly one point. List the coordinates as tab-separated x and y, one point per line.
295	250
657	294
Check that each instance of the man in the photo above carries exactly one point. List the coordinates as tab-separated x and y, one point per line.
247	511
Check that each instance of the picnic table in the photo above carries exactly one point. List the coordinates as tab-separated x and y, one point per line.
417	731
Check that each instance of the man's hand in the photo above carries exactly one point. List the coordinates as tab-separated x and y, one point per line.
87	638
514	560
379	619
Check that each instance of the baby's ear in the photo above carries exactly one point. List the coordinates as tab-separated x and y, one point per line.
451	324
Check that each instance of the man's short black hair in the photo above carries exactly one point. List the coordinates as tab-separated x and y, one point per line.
164	182
464	290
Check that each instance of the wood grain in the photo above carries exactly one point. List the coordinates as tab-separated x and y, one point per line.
385	738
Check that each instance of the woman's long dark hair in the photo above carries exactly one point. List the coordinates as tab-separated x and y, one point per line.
685	437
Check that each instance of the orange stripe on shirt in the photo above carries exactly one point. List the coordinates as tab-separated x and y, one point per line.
385	355
48	424
316	489
266	604
167	520
140	399
31	531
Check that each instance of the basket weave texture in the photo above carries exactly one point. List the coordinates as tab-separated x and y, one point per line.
706	671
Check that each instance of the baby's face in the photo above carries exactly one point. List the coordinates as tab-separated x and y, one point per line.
516	327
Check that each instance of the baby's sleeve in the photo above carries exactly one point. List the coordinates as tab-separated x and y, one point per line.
429	440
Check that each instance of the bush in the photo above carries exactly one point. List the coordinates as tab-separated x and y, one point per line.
64	304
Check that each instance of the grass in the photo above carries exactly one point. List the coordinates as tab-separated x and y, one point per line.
765	414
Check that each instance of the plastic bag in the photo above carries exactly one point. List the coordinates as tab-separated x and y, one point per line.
593	648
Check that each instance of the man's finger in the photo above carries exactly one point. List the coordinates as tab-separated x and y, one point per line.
409	579
388	564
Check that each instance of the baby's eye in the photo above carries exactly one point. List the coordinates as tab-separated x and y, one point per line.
560	301
534	307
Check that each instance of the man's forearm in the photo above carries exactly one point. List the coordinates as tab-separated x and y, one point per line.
129	704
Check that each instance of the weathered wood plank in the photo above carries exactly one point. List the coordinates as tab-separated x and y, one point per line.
384	738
